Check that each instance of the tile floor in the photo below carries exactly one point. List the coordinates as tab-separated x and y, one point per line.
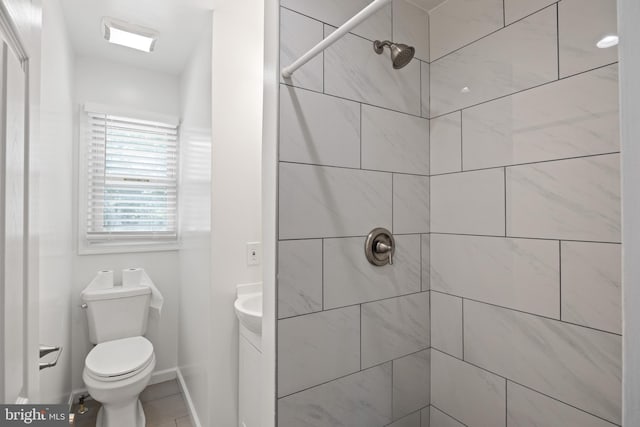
163	403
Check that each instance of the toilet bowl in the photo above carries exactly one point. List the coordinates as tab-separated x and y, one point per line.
115	373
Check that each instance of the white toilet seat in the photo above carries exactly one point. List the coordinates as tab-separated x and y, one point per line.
119	359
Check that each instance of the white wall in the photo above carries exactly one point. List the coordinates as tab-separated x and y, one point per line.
236	184
628	16
116	84
195	315
269	207
54	155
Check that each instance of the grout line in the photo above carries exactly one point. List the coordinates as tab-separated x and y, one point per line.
521	385
441	233
421	92
461	146
525	312
560	276
447	414
504	14
523	90
421	279
525	164
334	27
377	365
558	37
392	35
392	197
361	339
322	272
491	33
353	168
462	302
420	291
506	402
360	135
448	173
523	238
351	237
418	116
505	202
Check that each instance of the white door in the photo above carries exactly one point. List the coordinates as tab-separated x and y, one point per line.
13	180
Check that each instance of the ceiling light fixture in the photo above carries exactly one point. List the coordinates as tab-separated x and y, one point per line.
129	35
607	41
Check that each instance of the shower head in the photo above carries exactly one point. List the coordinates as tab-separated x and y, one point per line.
401	54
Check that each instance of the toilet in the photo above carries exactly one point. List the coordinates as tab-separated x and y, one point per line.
119	367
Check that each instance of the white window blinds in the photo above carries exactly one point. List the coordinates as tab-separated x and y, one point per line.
132	179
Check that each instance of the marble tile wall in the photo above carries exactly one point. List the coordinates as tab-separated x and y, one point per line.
353	339
494	159
524	215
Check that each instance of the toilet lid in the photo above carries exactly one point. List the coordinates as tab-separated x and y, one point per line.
119	357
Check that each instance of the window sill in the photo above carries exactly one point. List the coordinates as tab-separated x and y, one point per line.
122	248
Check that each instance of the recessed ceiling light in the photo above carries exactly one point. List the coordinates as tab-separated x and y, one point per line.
607	41
129	35
465	89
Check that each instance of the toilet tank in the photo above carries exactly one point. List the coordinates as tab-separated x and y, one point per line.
116	312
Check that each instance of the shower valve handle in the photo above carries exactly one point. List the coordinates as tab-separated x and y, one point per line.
380	247
383	248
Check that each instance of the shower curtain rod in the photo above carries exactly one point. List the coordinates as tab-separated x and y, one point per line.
361	16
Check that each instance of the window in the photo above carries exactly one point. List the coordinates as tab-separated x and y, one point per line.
131	180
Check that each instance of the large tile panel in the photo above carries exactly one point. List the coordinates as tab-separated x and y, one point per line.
424	417
330	202
591	285
582	24
350	279
411	26
410	204
523	274
411	383
577	199
518	9
573	364
394	327
337	12
425	81
353	70
445	144
426	261
358	400
515	58
298	34
456	23
471	395
554	121
299	277
394	142
312	340
318	129
440	419
446	323
526	408
412	420
468	203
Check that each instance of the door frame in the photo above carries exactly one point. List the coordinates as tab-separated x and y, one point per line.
15	42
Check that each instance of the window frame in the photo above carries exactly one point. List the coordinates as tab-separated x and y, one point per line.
127	244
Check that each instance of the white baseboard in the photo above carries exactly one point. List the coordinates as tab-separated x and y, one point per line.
156	378
195	421
164	375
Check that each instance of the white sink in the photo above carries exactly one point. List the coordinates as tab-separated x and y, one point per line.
249	311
